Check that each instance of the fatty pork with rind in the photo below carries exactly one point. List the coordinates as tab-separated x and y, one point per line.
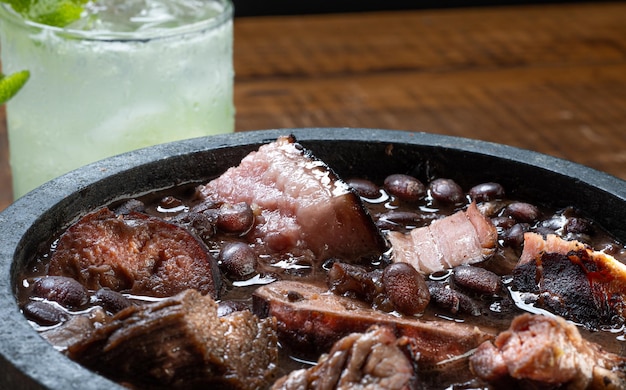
464	237
302	207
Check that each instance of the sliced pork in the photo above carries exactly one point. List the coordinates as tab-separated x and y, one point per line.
181	343
547	352
312	318
134	253
300	204
572	280
360	361
463	238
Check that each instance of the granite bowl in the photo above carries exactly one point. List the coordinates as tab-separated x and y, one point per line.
29	362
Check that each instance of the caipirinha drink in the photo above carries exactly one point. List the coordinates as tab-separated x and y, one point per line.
125	75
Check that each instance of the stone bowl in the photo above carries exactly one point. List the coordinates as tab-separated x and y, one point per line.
27	361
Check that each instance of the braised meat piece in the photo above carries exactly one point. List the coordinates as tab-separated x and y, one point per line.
570	279
312	318
398	287
547	352
362	361
300	204
462	238
136	253
181	343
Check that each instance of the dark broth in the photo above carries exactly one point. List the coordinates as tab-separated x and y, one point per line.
497	312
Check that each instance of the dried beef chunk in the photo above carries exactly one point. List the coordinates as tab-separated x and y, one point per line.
135	253
310	318
301	205
181	343
571	280
73	331
367	361
547	352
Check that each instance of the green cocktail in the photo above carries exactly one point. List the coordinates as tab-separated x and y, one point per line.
126	75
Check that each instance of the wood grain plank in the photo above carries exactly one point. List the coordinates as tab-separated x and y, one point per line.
533	108
550	78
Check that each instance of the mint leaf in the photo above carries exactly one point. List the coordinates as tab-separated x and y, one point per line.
9	85
58	13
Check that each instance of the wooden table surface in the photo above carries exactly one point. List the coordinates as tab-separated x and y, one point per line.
550	78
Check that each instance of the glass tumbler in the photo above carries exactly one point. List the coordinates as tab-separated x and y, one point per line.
108	86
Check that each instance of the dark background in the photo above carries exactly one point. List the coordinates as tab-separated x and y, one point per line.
290	7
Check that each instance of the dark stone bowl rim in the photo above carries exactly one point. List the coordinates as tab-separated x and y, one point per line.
27	361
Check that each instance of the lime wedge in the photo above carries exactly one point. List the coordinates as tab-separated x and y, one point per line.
57	13
9	85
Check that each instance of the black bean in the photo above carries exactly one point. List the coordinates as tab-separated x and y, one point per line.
406	288
486	192
44	313
66	291
522	212
170	202
404	217
514	237
405	187
576	225
452	300
503	222
476	279
365	188
446	191
111	301
554	223
237	260
235	218
355	281
201	224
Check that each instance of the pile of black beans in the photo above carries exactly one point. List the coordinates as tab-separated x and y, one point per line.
404	202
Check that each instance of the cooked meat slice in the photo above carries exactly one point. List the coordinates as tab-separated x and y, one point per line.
360	361
570	279
70	332
542	350
464	237
301	203
135	253
312	318
180	342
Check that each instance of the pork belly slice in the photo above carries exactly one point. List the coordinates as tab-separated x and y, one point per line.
572	280
134	253
181	343
371	360
547	352
312	318
302	205
464	237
